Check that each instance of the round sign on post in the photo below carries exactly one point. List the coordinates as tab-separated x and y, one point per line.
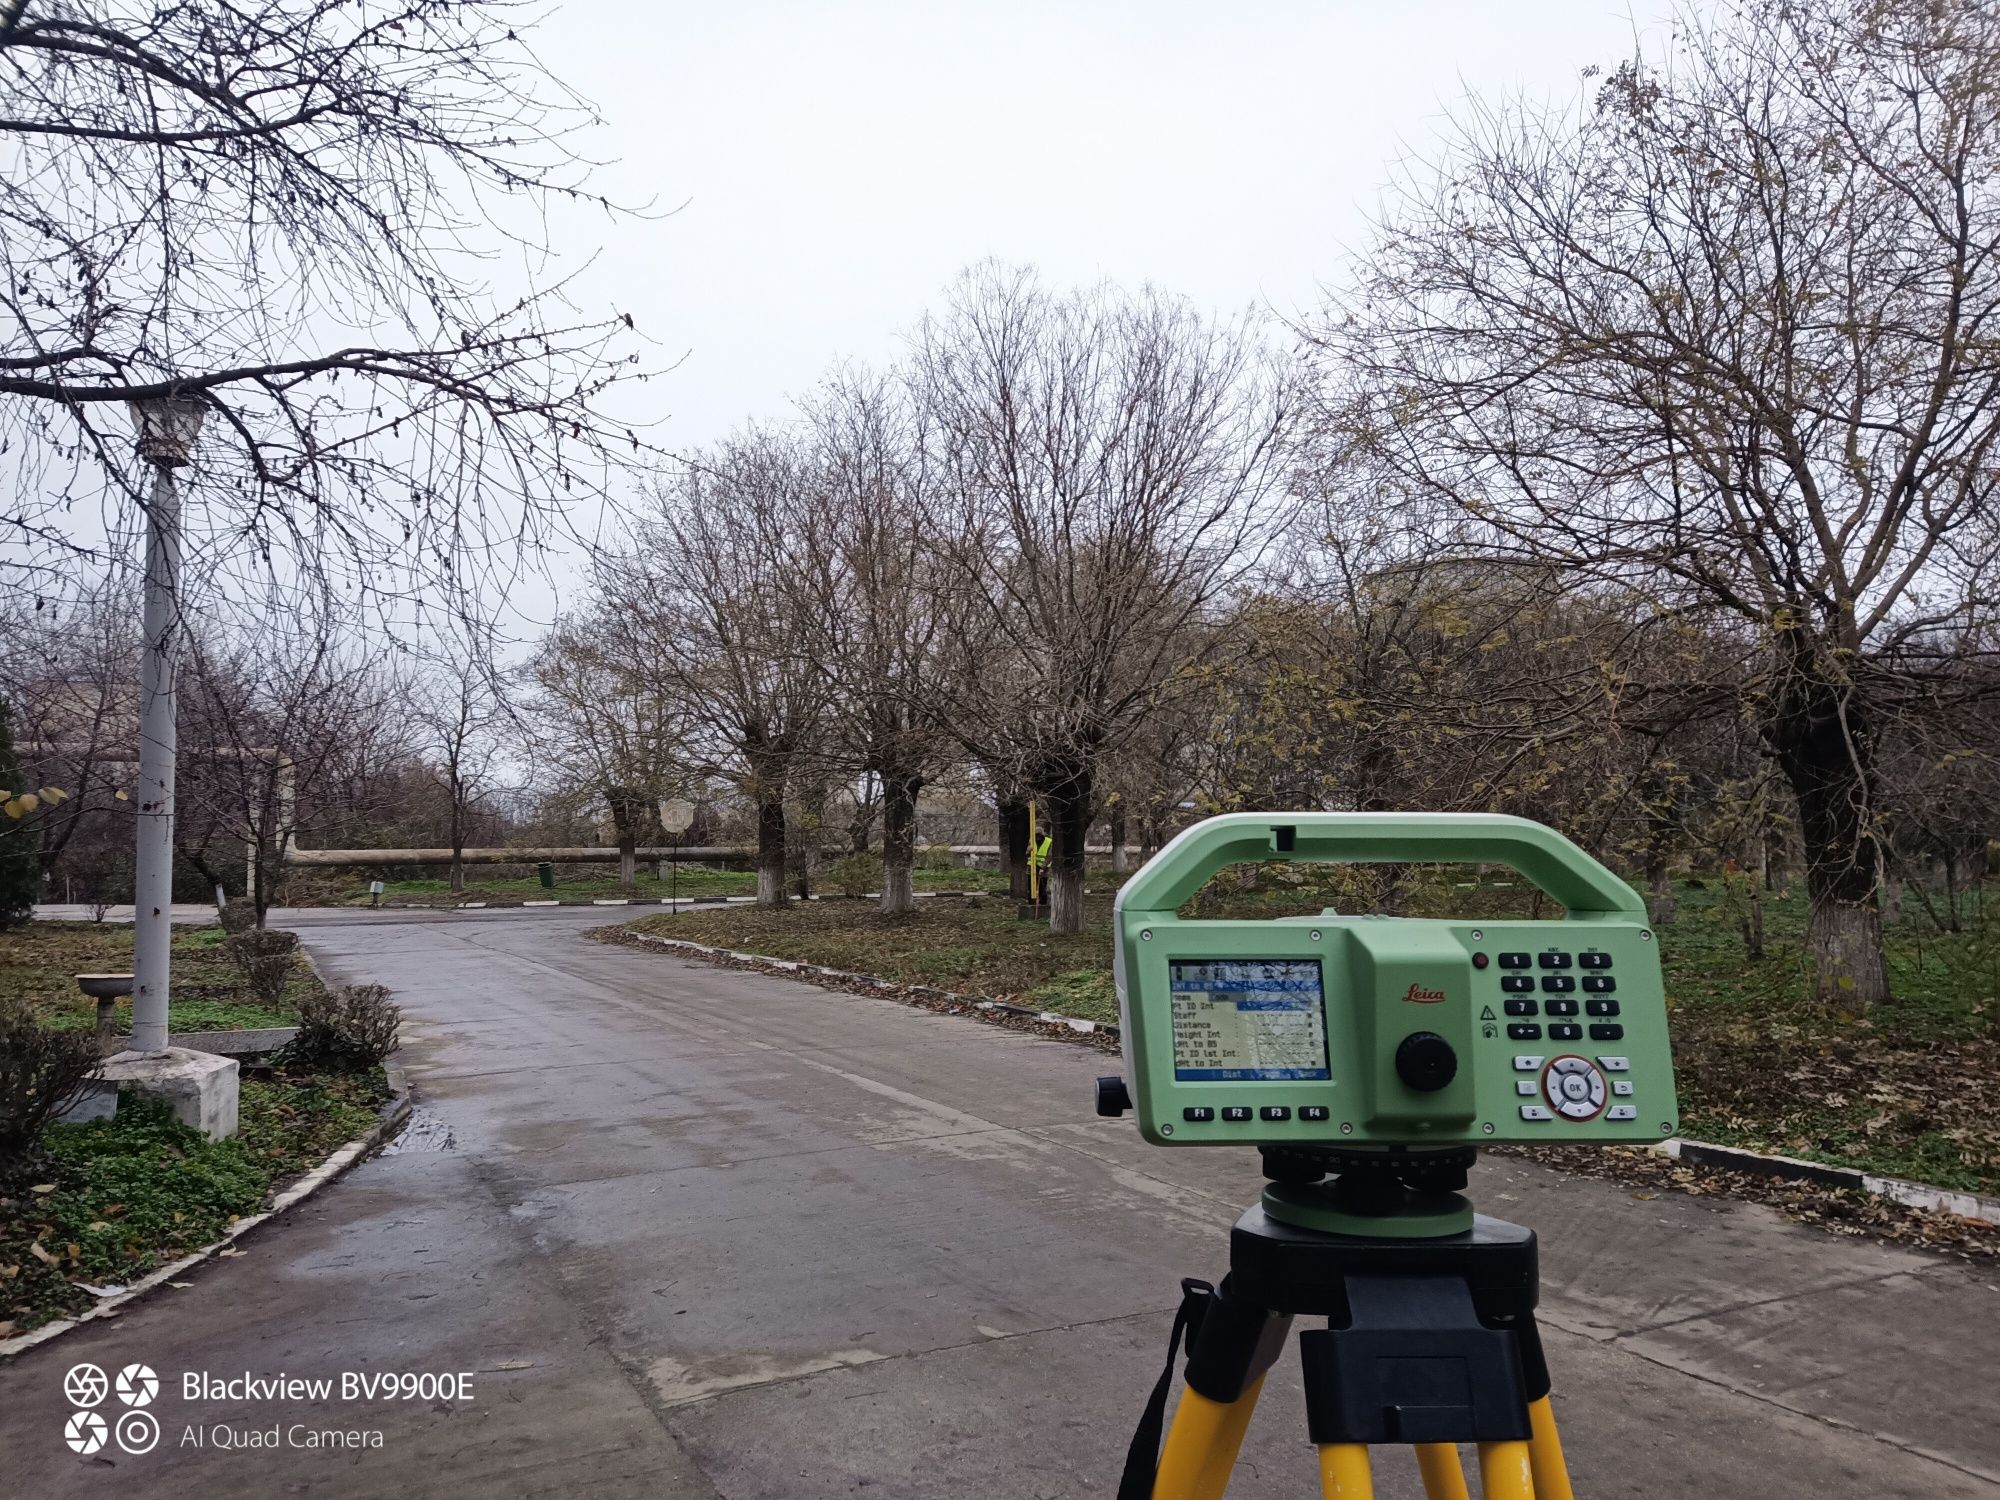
676	815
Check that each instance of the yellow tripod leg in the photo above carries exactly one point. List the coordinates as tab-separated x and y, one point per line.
1545	1454
1444	1478
1504	1472
1202	1444
1343	1472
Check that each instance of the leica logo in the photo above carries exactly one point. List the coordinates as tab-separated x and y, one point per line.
1418	995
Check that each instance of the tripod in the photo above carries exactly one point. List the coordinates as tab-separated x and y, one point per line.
1431	1337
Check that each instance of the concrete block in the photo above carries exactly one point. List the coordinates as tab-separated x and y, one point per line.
199	1087
96	1100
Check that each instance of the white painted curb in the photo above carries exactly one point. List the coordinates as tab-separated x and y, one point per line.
1917	1195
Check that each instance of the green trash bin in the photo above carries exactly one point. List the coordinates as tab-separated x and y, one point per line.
545	871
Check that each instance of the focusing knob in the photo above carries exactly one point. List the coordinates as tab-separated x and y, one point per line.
1426	1062
1113	1098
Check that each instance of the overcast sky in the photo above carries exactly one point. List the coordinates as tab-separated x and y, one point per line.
840	161
833	165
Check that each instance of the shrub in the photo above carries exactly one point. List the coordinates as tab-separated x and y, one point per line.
267	958
856	874
346	1030
238	916
100	875
41	1071
937	857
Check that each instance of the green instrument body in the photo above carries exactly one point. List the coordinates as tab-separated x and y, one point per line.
1382	1031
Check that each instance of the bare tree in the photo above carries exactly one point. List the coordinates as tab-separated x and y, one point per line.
1113	462
1725	336
273	712
460	709
711	587
870	581
603	714
70	668
280	209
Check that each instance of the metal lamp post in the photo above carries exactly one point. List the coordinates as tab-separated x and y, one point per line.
168	426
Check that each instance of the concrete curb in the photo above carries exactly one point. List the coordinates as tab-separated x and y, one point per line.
1917	1195
512	905
388	1121
875	981
1901	1190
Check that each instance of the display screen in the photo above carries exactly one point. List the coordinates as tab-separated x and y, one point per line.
1248	1018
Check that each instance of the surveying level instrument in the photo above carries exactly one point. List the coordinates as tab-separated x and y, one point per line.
1367	1057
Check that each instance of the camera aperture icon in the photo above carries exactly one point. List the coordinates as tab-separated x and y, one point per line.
137	1432
84	1432
138	1385
85	1385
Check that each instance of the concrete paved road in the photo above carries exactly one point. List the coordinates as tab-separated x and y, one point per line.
705	1234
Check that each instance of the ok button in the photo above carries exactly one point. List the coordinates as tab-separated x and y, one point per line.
1575	1086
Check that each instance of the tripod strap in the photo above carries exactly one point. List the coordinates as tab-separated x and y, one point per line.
1142	1459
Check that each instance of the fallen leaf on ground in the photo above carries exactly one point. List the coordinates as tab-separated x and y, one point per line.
183	1285
231	1254
40	1254
43	1187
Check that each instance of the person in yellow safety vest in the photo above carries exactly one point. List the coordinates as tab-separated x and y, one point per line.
1038	857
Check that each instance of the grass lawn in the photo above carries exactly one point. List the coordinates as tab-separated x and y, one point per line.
1912	1090
975	946
39	962
107	1202
695	880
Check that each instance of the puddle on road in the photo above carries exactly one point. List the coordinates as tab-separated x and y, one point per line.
426	1131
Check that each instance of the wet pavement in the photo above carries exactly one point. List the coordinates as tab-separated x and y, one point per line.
697	1232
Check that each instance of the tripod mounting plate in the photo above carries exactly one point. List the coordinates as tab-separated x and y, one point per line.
1319	1207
